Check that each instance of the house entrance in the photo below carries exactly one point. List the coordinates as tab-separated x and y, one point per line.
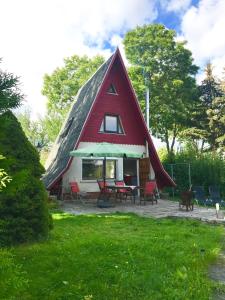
144	170
130	171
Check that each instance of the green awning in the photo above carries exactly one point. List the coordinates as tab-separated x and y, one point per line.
105	150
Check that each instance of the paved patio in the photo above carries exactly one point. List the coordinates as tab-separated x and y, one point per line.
164	208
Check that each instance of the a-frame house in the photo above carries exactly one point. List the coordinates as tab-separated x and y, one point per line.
105	110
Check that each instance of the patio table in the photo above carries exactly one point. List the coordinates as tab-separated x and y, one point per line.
131	188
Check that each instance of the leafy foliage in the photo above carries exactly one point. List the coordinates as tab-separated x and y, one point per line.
34	130
23	205
4	177
10	94
169	73
207	168
61	87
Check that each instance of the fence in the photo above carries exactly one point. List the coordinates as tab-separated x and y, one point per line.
181	174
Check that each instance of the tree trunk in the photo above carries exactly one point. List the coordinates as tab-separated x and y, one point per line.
202	146
172	144
167	142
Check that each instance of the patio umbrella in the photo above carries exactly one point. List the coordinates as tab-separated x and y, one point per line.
105	150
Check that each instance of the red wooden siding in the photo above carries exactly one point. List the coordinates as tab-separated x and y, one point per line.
123	105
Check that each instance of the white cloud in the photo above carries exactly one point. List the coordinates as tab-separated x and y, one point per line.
204	28
176	5
37	35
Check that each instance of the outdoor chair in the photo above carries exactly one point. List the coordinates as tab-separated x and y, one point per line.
75	193
103	186
74	190
105	194
214	194
186	200
199	196
123	193
149	192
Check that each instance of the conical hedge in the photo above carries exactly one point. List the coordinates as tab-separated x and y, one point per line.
24	213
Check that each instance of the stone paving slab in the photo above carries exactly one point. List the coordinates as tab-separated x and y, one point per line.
164	208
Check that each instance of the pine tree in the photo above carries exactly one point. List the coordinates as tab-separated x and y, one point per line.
208	114
10	94
210	87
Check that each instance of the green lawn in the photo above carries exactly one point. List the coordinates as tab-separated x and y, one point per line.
118	256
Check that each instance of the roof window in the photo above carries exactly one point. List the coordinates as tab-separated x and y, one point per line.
112	90
67	128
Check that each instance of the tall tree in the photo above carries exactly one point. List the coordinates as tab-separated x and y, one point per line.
221	113
61	87
210	87
10	94
34	130
166	67
208	119
210	110
216	124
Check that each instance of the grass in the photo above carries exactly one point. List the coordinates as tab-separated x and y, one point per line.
116	256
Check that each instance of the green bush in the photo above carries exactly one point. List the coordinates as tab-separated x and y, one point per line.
206	168
24	213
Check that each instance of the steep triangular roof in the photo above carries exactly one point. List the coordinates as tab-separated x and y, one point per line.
162	177
76	121
66	141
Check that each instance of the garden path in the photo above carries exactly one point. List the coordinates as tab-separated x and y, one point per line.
164	208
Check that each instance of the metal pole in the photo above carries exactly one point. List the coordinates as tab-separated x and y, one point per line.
172	178
189	174
147	106
104	170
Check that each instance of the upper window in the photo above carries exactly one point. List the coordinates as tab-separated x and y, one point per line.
112	90
111	124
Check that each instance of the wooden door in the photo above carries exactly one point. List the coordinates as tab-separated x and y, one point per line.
144	170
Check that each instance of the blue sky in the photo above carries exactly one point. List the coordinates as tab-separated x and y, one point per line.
172	18
37	35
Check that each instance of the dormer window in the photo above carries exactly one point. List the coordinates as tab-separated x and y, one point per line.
112	90
111	124
67	128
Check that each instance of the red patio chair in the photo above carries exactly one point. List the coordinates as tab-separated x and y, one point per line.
122	192
149	192
75	191
103	186
105	193
72	193
74	188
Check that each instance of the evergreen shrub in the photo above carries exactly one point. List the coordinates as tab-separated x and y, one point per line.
24	212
